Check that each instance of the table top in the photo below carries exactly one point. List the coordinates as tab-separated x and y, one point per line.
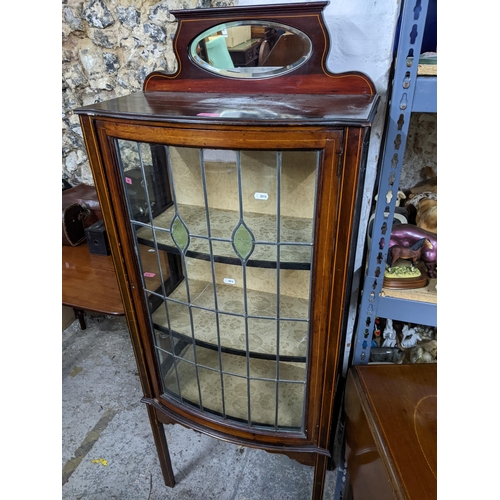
400	405
89	281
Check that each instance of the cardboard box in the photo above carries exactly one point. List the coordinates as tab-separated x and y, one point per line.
237	35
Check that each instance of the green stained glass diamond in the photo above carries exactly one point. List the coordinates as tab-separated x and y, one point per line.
243	241
180	233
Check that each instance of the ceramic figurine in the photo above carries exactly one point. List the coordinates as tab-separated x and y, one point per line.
410	337
426	332
412	253
389	335
426	352
406	235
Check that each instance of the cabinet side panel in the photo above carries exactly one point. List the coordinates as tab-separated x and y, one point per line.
102	184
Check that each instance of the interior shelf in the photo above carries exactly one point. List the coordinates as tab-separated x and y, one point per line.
232	400
295	236
262	324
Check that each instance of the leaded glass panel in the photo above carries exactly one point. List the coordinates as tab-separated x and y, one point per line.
225	253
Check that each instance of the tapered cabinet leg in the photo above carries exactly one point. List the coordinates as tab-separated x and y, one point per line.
319	477
161	447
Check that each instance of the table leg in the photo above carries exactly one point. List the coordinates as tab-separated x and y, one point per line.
79	314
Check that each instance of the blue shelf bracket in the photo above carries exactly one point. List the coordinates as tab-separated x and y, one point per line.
400	108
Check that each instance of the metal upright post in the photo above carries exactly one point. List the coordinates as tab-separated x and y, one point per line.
400	108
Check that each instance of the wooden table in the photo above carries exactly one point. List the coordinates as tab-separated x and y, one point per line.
89	283
391	431
246	53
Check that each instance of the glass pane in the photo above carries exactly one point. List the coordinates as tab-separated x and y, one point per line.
236	397
186	377
144	169
221	177
236	365
262	298
205	325
264	256
211	390
262	336
199	248
155	268
259	170
295	293
178	320
230	288
290	405
199	280
188	188
164	341
225	245
294	338
232	331
298	193
179	233
262	402
293	256
168	372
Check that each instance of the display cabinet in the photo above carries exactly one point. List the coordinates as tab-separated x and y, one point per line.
230	197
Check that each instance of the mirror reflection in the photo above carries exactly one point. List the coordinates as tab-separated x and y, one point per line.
251	49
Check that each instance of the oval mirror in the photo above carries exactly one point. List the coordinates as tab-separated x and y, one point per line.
250	49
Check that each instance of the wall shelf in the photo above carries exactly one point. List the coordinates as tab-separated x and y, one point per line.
425	99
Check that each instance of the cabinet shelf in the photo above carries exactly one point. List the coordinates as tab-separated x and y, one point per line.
294	247
231	400
261	325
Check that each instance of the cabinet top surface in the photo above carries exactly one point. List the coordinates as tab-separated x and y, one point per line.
239	109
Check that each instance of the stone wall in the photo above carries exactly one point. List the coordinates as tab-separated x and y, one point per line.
108	48
421	149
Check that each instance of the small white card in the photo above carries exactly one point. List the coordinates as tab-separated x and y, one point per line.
261	196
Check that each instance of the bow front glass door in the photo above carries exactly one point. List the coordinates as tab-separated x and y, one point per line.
225	243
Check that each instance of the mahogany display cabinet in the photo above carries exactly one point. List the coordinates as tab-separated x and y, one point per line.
230	196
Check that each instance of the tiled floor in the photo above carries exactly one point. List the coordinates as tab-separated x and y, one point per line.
108	450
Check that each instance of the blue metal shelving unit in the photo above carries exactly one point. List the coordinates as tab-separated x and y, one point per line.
410	93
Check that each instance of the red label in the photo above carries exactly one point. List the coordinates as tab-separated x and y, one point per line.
128	180
149	275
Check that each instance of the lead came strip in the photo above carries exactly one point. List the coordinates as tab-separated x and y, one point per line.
214	284
186	280
278	291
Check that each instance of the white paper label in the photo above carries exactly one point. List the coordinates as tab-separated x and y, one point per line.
261	196
229	281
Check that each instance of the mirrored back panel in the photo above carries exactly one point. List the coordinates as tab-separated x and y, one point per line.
250	49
